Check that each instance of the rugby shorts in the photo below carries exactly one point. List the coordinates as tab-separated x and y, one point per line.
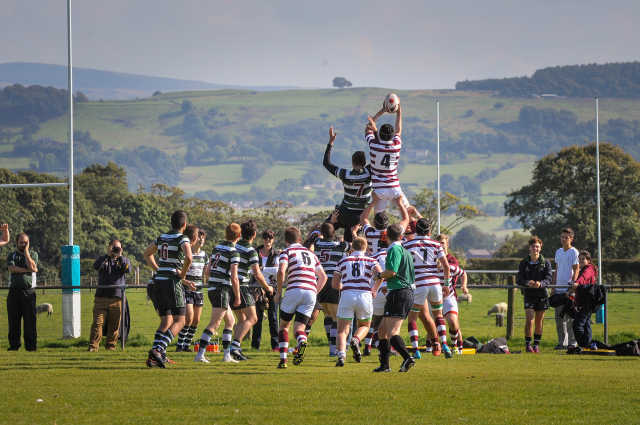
399	302
356	304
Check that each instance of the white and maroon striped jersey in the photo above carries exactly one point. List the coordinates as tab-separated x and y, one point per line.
455	272
425	252
381	258
301	265
373	237
384	160
357	271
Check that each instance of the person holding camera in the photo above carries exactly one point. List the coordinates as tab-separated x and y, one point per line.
21	300
107	307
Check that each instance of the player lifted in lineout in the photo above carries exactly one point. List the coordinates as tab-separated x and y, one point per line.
357	188
384	151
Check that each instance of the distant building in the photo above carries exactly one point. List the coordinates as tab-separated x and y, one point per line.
479	253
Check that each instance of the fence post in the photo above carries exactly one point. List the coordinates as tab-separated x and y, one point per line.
510	297
606	321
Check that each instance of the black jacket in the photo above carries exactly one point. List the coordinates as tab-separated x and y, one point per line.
111	272
539	272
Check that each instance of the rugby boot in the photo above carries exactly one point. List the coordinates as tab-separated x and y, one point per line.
357	355
298	357
367	351
156	356
340	362
417	355
407	364
382	369
447	351
282	364
238	355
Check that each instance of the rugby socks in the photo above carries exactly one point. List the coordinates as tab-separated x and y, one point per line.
204	341
301	337
307	330
333	334
191	332
536	339
369	338
163	339
441	326
383	356
235	345
283	342
527	340
182	336
327	327
413	333
226	340
455	337
157	341
341	354
398	343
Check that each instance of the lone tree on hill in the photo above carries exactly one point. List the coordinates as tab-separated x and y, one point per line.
341	82
562	193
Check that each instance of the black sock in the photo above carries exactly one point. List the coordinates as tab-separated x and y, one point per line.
398	343
527	340
383	356
536	339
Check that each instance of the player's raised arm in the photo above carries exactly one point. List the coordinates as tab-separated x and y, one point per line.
364	217
405	216
399	121
332	168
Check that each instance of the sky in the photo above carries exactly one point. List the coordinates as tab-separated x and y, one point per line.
402	44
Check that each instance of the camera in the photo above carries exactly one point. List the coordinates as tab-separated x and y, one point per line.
116	250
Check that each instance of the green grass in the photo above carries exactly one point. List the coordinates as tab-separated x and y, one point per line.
115	387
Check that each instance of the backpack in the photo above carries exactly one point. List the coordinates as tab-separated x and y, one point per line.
471	342
629	348
495	346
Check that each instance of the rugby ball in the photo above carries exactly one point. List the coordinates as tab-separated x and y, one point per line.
391	102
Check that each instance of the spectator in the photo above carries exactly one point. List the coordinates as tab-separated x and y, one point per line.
107	306
582	316
534	275
268	258
564	276
21	300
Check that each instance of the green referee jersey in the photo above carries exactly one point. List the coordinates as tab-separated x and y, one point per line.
248	257
400	261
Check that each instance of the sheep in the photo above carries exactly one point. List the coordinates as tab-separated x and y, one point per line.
500	308
41	308
465	297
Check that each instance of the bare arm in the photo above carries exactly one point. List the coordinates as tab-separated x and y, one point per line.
576	272
405	215
465	290
5	234
378	281
336	281
322	278
235	284
16	269
188	259
379	113
31	265
447	275
364	217
399	121
149	256
282	270
206	274
257	274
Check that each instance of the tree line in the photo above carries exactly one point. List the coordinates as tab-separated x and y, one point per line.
621	80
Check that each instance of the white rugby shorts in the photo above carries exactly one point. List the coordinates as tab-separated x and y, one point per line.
378	304
355	303
432	293
299	300
386	195
450	305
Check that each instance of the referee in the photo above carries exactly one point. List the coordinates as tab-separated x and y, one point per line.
400	278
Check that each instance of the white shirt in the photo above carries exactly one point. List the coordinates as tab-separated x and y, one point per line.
565	260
